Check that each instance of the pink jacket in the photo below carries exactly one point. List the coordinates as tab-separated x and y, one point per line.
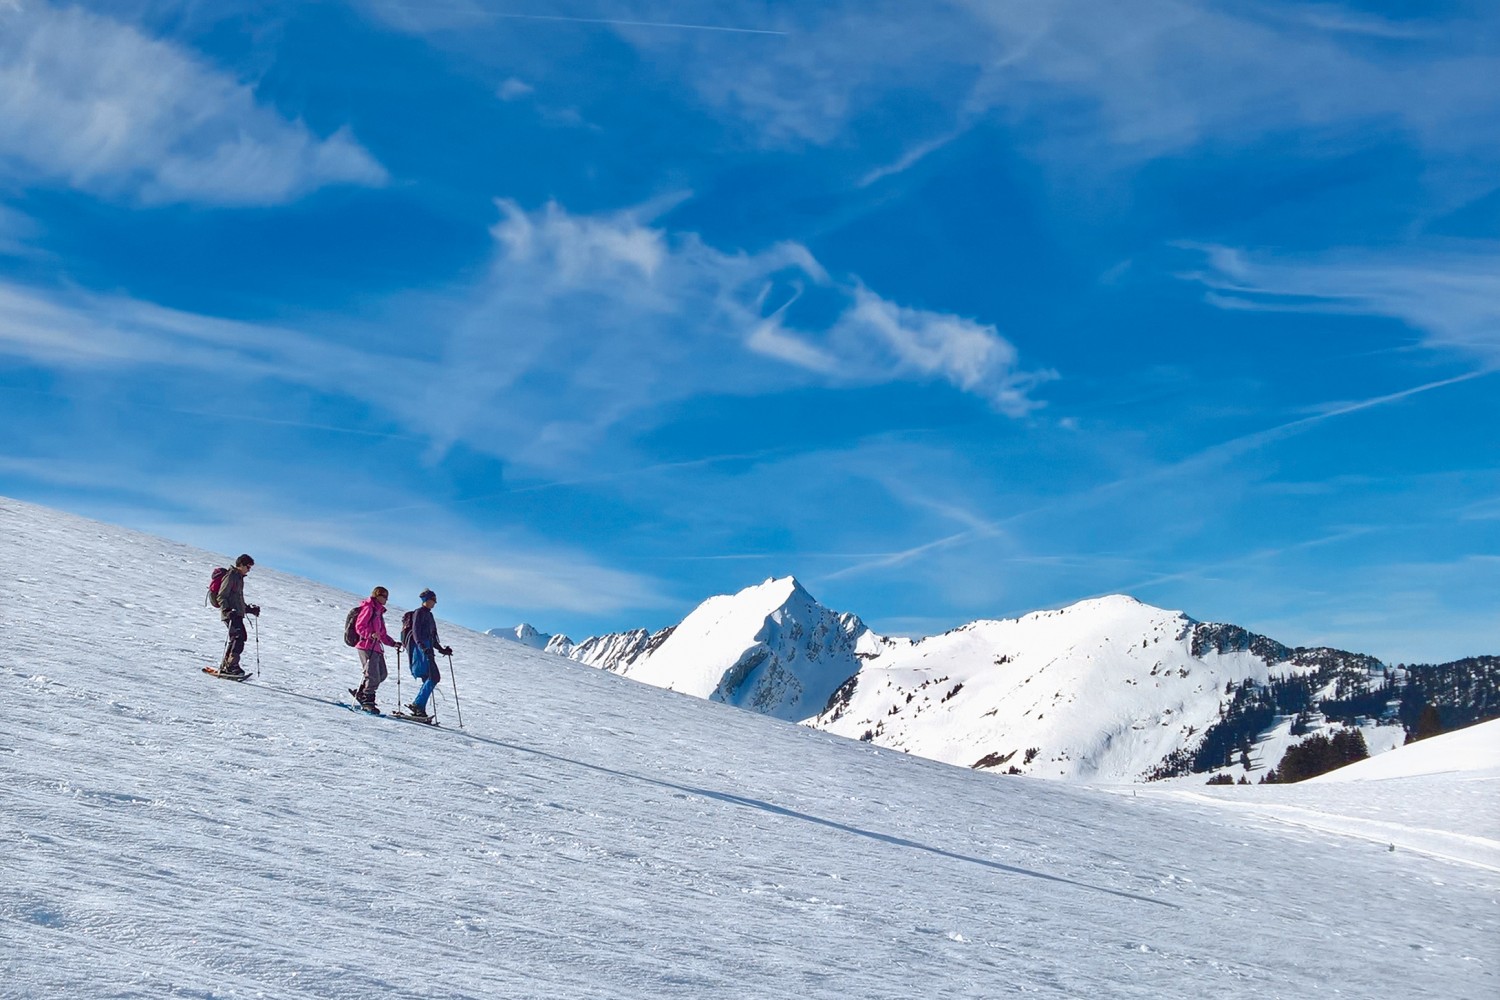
370	626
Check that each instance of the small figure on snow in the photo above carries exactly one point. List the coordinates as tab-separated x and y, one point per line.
369	626
232	610
422	647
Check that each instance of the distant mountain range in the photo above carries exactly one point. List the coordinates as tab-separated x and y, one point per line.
1106	690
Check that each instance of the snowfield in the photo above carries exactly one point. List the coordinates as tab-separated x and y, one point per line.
170	834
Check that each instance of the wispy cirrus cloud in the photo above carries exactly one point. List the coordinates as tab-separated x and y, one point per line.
17	231
80	330
98	105
583	323
508	570
1449	292
1104	85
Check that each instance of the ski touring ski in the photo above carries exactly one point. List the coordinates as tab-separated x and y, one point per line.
421	720
214	672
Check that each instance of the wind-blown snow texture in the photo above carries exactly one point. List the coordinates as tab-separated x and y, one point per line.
167	833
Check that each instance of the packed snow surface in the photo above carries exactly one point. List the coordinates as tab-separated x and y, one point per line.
1473	752
170	834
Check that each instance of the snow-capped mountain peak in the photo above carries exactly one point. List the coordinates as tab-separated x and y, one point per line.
770	647
527	635
1108	688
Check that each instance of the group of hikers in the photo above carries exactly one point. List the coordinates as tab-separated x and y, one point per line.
364	630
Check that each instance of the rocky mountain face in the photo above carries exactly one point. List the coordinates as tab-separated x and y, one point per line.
1104	690
771	649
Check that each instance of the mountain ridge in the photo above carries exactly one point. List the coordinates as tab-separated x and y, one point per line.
1106	689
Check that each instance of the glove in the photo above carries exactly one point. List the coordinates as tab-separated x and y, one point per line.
446	650
253	609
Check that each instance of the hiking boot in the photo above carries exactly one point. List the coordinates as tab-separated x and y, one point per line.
231	672
369	706
417	710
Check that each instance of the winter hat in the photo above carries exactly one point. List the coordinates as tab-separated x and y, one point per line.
427	595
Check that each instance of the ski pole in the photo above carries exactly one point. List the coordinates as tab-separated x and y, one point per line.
398	679
255	621
454	678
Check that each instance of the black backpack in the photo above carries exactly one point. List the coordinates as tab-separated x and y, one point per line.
406	636
351	638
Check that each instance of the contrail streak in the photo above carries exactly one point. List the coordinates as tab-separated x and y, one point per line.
637	24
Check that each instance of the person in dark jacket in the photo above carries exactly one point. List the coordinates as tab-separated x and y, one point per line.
422	649
232	610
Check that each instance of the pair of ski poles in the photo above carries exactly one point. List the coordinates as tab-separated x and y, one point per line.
451	676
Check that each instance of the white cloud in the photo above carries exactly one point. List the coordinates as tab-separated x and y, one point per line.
875	340
972	356
770	340
583	324
1163	75
1102	85
82	331
513	89
1449	292
95	104
506	568
588	321
579	249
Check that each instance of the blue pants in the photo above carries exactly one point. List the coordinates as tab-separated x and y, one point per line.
424	665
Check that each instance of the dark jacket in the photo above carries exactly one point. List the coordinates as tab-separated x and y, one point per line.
232	595
424	629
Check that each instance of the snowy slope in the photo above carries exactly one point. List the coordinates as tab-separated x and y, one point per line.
1473	752
168	834
1442	788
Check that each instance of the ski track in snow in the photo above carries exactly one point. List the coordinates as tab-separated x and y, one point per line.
171	834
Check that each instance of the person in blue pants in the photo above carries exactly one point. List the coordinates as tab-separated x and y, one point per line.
422	652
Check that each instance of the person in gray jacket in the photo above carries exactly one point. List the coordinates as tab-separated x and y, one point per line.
233	609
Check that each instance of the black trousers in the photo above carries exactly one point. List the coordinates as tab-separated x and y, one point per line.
237	636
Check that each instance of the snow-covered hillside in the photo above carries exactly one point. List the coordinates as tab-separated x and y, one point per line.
1473	752
169	834
1108	689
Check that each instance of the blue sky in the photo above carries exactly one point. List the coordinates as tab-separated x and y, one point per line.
581	312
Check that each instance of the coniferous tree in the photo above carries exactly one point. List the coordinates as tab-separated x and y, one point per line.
1429	723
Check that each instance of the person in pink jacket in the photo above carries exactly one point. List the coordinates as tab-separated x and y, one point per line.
369	625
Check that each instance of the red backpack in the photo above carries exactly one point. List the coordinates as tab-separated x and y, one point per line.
214	583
